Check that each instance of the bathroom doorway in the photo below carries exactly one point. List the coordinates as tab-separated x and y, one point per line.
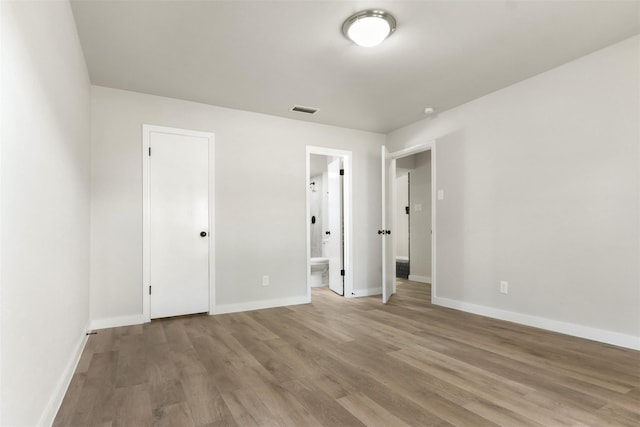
328	218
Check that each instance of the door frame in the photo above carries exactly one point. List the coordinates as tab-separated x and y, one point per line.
347	203
409	151
146	264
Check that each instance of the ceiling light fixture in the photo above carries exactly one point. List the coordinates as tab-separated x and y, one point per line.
369	28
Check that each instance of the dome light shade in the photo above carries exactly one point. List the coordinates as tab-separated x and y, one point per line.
369	28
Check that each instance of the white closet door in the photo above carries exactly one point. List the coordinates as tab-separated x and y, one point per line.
179	224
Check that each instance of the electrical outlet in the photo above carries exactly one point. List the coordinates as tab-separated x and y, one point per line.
265	280
504	287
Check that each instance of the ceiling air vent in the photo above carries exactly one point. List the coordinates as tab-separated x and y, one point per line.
306	110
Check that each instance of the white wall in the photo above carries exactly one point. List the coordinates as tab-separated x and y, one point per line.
260	161
420	220
541	189
45	208
402	219
404	166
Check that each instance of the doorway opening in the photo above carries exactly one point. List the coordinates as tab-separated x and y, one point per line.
413	217
408	208
328	218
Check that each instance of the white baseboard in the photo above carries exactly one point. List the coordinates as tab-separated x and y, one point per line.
114	322
421	279
51	410
367	292
138	319
259	305
594	334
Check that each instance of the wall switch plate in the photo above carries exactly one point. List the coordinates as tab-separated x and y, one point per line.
265	280
440	194
504	287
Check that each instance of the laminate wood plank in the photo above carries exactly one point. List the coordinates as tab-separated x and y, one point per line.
159	367
250	402
284	405
231	370
187	362
176	334
97	387
134	409
614	415
166	393
406	380
240	415
514	353
153	334
350	361
87	355
205	401
501	415
327	327
131	368
351	380
520	369
565	409
461	376
68	406
321	406
177	414
369	412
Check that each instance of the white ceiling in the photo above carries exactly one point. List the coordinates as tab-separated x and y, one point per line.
266	56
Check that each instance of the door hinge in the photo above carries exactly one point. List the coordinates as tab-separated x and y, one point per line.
342	272
149	290
341	171
149	151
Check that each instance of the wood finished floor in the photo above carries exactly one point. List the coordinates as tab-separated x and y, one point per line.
350	362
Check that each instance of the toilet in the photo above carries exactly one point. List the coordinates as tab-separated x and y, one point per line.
319	271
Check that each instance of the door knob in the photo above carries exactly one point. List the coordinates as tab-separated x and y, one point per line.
203	234
327	233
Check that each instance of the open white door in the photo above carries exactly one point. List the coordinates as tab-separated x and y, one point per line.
333	239
388	261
